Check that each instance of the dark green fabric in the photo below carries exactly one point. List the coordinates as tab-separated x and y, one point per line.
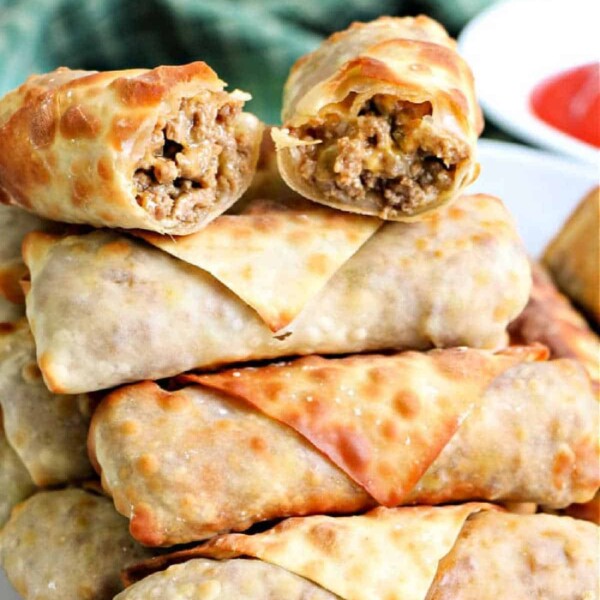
250	43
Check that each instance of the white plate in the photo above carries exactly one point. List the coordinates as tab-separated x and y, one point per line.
539	188
514	45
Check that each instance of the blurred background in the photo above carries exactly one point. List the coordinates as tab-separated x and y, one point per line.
250	43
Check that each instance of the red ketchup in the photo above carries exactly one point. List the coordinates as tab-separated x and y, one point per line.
570	102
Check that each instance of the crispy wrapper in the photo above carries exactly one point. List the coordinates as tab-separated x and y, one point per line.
472	551
381	119
124	311
15	481
573	256
278	255
47	431
67	545
341	435
164	149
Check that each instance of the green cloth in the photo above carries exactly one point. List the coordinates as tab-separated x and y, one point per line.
251	44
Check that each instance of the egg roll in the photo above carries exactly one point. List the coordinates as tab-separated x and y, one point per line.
67	545
15	481
341	435
15	223
381	119
47	431
549	318
165	149
464	552
573	256
106	309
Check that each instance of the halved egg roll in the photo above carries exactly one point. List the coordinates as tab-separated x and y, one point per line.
381	119
106	309
573	256
467	552
15	481
163	149
47	431
323	435
67	545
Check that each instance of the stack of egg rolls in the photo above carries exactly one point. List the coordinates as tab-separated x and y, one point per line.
323	341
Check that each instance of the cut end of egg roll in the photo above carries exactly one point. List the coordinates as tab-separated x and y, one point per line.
165	149
387	160
381	120
201	150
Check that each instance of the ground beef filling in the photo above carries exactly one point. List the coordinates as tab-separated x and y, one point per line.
195	155
389	152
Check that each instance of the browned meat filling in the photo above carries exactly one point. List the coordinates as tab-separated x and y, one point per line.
195	155
389	152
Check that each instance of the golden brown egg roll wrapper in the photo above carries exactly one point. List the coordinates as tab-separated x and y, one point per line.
47	431
15	481
573	256
163	149
549	318
381	119
224	467
464	552
122	311
341	435
278	255
67	545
